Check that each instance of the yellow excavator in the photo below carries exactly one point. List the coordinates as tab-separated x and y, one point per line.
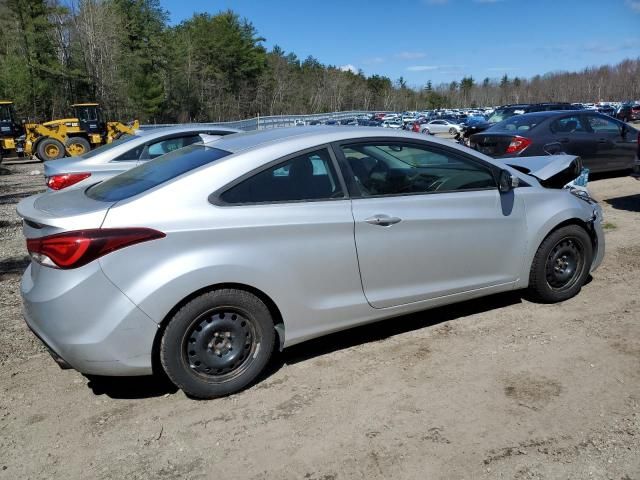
73	136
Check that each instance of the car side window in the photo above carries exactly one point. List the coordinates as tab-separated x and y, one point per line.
603	125
155	149
568	125
397	169
130	155
310	176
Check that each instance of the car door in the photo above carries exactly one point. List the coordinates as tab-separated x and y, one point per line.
430	222
616	147
438	126
571	134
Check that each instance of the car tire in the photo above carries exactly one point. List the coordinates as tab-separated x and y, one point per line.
50	149
77	146
218	343
561	265
426	131
452	131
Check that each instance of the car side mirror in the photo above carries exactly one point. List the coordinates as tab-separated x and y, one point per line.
507	182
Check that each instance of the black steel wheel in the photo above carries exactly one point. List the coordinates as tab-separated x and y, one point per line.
561	264
218	343
565	263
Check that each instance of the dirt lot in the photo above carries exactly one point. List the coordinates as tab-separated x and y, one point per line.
494	388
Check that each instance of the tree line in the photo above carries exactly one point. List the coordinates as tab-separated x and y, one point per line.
126	55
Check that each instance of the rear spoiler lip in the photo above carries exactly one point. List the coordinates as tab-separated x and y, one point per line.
545	167
37	219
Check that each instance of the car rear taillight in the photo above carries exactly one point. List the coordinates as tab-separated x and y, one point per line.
75	249
518	144
58	182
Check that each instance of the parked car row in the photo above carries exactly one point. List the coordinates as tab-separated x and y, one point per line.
201	262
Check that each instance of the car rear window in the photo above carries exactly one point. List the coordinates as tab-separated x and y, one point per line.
154	173
518	123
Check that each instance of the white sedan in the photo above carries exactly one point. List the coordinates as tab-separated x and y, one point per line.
441	126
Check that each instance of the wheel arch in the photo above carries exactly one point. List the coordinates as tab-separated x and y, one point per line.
276	315
552	226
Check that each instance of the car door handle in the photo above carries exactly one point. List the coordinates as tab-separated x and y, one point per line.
383	220
564	140
602	140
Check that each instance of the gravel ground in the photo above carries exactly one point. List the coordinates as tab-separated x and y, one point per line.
493	388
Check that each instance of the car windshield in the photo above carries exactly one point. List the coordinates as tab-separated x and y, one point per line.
154	173
5	113
504	113
108	146
517	123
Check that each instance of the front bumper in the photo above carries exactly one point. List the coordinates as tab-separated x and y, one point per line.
86	322
599	236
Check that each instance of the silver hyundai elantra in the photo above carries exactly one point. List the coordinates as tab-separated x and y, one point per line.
203	261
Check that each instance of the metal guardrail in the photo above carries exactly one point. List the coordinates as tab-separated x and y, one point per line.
275	121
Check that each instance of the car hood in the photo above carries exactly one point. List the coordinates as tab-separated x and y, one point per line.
553	171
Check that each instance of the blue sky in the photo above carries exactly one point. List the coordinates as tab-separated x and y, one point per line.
441	40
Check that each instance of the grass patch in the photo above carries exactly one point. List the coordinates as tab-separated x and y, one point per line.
609	226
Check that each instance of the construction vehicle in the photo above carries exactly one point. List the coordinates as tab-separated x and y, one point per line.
73	136
10	130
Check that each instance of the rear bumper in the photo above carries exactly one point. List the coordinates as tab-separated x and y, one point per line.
86	322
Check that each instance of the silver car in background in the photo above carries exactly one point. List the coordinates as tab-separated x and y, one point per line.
441	126
204	260
125	153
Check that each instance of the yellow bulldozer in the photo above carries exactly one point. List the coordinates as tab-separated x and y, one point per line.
73	136
58	138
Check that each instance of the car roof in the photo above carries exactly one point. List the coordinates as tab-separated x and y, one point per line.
309	136
187	127
553	113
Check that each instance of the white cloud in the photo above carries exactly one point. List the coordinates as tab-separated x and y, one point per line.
633	5
422	68
410	55
349	68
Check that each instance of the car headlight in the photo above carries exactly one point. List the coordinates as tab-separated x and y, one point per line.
582	194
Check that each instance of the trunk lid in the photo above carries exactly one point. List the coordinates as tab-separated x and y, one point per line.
54	212
492	144
552	171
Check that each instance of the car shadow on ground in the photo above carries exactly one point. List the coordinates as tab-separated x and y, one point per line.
631	203
384	329
13	266
131	387
159	385
16	197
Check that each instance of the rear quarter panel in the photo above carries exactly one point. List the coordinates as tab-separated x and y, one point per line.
301	255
